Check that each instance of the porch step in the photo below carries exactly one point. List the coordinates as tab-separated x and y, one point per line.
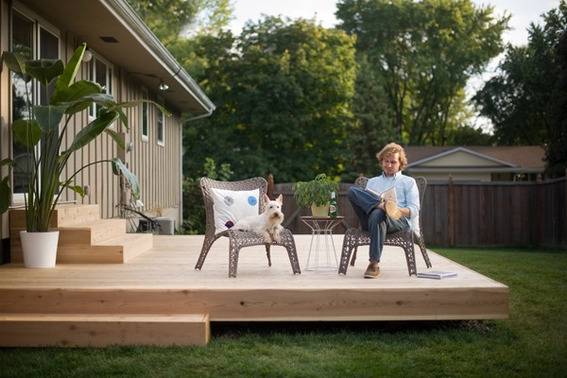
97	330
92	232
117	250
64	215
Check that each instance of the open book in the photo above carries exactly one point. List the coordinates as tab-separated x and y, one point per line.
387	195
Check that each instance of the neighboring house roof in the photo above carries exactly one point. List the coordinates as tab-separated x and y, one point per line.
497	158
137	49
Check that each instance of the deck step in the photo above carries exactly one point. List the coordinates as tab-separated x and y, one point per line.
117	250
64	215
92	232
97	330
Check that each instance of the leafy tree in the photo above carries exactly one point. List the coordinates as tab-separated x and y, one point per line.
423	54
168	19
525	101
556	154
283	91
470	136
373	119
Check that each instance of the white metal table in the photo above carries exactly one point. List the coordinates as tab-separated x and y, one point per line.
322	251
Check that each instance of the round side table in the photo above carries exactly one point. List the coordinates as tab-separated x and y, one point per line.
322	251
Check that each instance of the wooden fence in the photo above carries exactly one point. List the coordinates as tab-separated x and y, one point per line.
474	214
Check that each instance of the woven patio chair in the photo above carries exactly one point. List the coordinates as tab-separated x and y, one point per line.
355	237
239	239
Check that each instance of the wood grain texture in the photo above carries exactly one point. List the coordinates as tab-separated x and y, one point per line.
98	330
163	281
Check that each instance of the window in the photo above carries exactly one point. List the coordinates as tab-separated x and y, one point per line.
100	72
145	118
160	128
34	39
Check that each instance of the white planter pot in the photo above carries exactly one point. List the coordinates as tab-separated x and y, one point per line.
39	248
320	211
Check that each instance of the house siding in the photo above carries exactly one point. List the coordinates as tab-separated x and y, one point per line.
158	167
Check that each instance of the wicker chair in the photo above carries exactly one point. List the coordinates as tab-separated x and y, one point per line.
240	239
355	237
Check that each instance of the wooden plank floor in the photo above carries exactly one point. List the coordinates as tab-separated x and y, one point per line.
163	281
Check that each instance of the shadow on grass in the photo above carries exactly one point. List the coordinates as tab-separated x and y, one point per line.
235	329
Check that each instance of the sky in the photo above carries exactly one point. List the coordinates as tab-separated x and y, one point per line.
522	12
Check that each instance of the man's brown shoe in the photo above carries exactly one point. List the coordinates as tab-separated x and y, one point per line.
372	271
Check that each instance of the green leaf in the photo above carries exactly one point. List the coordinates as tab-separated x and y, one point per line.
118	168
93	129
44	70
5	194
84	102
26	132
117	138
49	117
76	92
71	69
80	190
17	63
4	162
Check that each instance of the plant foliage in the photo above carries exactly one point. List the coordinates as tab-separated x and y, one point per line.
315	192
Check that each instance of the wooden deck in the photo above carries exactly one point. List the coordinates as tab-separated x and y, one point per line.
163	281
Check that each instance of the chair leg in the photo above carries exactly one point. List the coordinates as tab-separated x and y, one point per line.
288	242
234	249
207	243
268	254
355	252
421	244
349	244
410	256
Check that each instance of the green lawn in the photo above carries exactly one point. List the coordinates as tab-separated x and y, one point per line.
533	342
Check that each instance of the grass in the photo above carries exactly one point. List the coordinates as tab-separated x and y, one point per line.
532	343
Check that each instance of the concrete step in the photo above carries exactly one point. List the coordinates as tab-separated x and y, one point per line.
97	330
64	215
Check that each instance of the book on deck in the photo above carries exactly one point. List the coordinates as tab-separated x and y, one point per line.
436	275
387	195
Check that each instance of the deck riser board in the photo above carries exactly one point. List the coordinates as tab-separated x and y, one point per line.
270	305
93	331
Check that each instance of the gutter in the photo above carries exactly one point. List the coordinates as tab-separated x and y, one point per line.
130	19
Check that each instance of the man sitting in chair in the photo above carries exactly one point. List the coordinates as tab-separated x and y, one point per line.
388	204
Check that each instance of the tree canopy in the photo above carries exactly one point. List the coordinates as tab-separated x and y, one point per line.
422	54
525	100
283	92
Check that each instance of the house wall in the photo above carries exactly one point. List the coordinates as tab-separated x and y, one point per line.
460	159
455	175
157	167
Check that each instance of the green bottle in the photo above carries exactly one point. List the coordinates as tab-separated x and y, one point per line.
333	205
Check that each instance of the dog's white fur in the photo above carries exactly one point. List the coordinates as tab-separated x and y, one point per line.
267	224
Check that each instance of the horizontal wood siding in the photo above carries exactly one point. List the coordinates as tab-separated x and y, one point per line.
474	214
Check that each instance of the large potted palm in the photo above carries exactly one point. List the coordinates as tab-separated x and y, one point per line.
45	125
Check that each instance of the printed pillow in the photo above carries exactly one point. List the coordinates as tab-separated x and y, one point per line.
229	206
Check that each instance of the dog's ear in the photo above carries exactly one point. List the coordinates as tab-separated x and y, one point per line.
280	199
266	199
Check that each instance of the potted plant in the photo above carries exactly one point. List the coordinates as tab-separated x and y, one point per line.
45	125
315	194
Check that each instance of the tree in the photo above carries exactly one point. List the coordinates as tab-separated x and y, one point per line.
283	91
526	100
423	54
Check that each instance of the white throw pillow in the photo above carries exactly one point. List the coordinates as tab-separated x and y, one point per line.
229	206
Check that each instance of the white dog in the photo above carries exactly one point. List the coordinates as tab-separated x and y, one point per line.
267	224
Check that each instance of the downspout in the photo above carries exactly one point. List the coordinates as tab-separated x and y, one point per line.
207	114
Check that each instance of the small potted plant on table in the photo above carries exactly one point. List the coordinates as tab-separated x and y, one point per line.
315	194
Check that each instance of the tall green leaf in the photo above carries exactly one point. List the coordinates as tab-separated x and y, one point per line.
93	129
118	168
70	71
5	194
26	132
44	70
17	63
76	91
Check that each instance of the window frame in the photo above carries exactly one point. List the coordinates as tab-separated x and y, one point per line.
145	116
38	23
160	122
91	76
